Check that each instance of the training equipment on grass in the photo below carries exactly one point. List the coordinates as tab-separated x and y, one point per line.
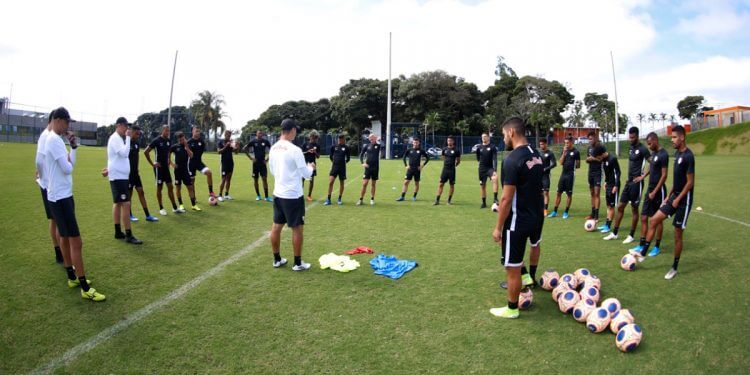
593	281
629	337
620	319
628	262
525	299
390	266
581	275
494	207
590	292
549	280
582	309
212	201
569	279
567	301
559	290
589	225
699	209
612	305
598	320
341	263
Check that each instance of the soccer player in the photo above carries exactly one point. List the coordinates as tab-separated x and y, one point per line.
596	154
570	160
118	168
134	179
41	179
656	192
59	164
451	160
182	154
611	189
637	155
680	200
487	158
413	169
339	157
195	163
226	148
161	167
370	159
311	150
288	168
520	216
548	157
256	150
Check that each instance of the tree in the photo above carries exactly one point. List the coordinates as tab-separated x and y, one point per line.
690	106
540	102
462	126
640	118
502	69
432	120
652	119
577	117
662	117
207	112
151	122
602	111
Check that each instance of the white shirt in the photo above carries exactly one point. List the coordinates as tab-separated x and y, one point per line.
118	163
288	168
58	169
41	145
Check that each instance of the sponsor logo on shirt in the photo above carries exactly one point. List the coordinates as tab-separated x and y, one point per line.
534	161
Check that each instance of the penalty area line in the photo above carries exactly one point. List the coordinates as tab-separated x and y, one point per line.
724	218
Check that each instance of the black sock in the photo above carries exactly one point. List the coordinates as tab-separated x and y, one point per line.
532	272
555	210
277	257
646	244
642	242
84	283
450	197
226	193
402	195
210	189
329	197
58	252
567	209
632	232
339	197
437	198
593	212
676	263
174	206
117	229
495	195
161	207
616	230
524	270
297	260
179	200
513	305
145	210
415	195
192	201
484	201
128	233
658	243
609	222
71	273
372	197
546	206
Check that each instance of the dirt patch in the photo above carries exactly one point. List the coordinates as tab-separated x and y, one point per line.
737	145
697	148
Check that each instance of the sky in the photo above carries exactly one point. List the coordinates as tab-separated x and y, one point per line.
103	60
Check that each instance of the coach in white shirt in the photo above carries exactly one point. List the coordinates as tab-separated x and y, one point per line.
118	166
41	179
288	168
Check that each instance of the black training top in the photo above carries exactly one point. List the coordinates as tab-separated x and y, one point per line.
523	169
226	155
339	155
180	155
449	157
548	160
415	157
659	160
133	157
596	150
161	145
258	147
197	146
684	164
311	156
371	155
487	156
569	162
612	170
637	156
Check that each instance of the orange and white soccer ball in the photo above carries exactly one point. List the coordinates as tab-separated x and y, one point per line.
567	301
628	262
549	280
212	201
593	281
582	309
525	299
569	279
598	320
622	318
629	337
590	292
581	275
589	225
559	290
612	305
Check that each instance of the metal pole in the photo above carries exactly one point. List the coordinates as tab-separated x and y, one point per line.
171	90
388	110
617	113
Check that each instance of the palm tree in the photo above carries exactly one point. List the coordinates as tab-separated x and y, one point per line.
462	127
652	118
432	119
662	117
207	111
671	119
640	118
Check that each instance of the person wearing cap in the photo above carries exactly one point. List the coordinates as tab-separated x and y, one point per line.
41	179
226	147
118	167
58	165
198	145
162	146
134	180
288	167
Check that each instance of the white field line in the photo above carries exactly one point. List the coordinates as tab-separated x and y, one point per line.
725	218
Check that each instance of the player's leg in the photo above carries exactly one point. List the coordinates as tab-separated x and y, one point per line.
193	201
373	188
159	186
312	184
144	204
362	191
278	261
439	192
677	252
495	186
452	189
483	187
55	237
620	213
342	178
256	175
222	184
116	215
558	197
416	185
265	185
568	202
654	222
209	180
331	180
229	184
633	221
178	191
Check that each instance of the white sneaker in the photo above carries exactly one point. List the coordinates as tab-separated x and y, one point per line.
628	240
228	197
610	236
637	254
359	202
279	263
671	274
372	202
302	267
220	198
163	212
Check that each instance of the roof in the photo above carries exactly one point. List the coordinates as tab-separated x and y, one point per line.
727	109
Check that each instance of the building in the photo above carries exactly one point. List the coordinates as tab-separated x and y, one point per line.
726	116
25	126
580	135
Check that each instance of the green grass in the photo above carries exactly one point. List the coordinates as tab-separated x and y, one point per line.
728	140
253	318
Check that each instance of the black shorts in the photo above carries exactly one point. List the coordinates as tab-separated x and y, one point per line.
535	238
632	193
182	177
134	181
227	168
595	180
610	197
45	202
195	166
545	182
120	191
337	171
162	175
514	244
289	211
371	174
413	173
260	169
484	174
64	213
565	184
448	175
680	213
651	206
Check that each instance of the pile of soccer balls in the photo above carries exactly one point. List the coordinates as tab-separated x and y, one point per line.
578	294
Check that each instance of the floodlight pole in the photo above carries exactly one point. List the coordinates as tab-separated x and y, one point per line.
388	108
617	113
171	90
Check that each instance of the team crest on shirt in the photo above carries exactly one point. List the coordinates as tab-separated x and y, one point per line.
199	143
679	161
123	196
656	158
572	153
637	152
136	146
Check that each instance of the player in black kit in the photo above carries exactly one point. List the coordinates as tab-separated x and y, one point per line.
487	158
257	150
226	148
311	150
548	157
570	160
195	163
134	180
451	160
370	159
611	188
656	192
162	175
596	154
339	157
413	169
182	154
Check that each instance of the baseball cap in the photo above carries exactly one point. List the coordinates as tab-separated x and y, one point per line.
61	114
289	124
122	121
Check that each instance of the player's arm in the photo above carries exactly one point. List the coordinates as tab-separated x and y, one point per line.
554	162
330	154
578	160
189	151
458	159
494	158
147	154
406	153
316	150
426	159
503	211
305	169
348	157
267	151
479	152
362	155
224	147
121	150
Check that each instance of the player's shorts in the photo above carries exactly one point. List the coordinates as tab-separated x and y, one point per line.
565	184
134	181
45	202
162	175
632	193
339	172
182	177
448	175
535	238
610	197
680	213
289	211
196	165
120	191
227	168
651	206
371	174
413	173
595	180
545	182
64	213
514	244
485	174
260	169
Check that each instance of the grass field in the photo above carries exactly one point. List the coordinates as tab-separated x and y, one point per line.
249	317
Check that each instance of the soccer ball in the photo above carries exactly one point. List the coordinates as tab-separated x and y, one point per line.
494	207
569	279
622	318
612	305
592	280
567	301
589	225
525	299
598	320
590	292
549	280
560	289
581	275
212	201
628	262
629	337
582	309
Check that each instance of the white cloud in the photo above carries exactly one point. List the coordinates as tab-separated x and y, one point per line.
712	19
